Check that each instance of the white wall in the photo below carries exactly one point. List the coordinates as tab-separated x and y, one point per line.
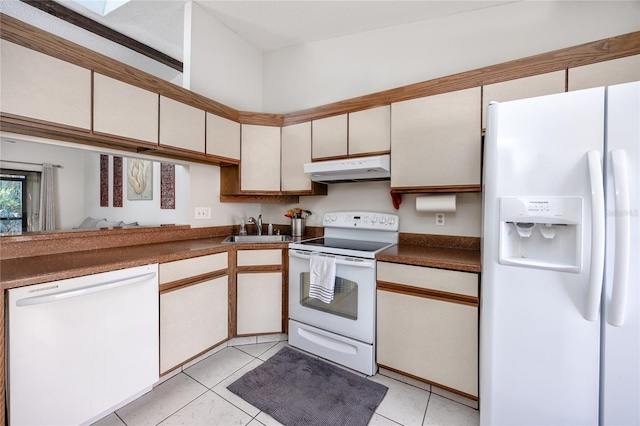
318	73
218	63
374	197
327	71
205	192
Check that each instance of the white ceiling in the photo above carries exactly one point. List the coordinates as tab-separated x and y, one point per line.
265	24
270	25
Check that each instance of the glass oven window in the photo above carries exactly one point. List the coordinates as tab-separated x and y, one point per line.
345	298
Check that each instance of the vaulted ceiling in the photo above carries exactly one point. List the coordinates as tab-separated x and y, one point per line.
267	25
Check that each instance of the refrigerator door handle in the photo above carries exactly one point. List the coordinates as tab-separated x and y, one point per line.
597	236
623	238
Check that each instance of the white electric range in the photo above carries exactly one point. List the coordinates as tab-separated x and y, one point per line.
343	330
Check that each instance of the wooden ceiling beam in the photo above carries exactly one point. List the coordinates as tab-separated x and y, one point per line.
81	21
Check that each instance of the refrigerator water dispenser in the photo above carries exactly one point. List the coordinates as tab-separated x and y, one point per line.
541	232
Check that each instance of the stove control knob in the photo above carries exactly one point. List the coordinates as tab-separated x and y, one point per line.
383	220
391	221
334	218
327	218
374	219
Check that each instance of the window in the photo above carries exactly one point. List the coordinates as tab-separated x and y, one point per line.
19	201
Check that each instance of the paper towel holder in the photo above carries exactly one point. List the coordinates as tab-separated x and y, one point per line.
437	203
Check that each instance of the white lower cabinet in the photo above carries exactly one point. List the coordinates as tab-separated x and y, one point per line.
424	331
192	319
194	308
259	303
259	291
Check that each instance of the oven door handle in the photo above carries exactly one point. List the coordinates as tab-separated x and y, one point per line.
359	263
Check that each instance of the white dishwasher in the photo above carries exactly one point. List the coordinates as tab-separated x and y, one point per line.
82	347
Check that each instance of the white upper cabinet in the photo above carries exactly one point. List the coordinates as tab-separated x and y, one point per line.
608	73
181	125
436	140
370	130
41	87
223	137
124	110
329	137
522	88
260	158
296	151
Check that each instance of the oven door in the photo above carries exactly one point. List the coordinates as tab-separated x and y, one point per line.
351	313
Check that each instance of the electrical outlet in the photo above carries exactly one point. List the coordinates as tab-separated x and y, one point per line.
203	212
440	220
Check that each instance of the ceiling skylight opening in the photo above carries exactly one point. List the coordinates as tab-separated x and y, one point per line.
101	7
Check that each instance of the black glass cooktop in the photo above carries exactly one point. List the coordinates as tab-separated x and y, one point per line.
368	246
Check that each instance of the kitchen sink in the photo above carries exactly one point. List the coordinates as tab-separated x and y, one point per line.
258	239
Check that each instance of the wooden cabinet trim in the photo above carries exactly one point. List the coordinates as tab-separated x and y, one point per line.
186	282
255	269
442	296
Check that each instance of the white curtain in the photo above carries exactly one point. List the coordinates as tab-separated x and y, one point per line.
47	199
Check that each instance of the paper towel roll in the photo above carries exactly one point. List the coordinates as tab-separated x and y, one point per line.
441	203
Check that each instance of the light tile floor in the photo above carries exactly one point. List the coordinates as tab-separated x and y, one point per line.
197	395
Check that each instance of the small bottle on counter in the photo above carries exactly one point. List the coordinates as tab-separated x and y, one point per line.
270	229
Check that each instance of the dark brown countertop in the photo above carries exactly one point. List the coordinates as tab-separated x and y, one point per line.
461	254
40	269
458	259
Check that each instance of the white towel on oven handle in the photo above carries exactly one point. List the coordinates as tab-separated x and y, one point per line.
322	273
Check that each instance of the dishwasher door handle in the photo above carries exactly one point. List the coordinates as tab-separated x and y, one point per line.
103	286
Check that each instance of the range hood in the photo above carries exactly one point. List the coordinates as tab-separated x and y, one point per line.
350	169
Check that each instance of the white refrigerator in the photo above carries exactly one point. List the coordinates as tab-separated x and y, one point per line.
560	316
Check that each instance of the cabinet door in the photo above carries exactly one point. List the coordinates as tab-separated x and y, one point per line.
296	151
223	137
193	319
181	125
124	110
259	307
38	86
521	88
260	158
329	137
608	73
431	339
436	140
370	131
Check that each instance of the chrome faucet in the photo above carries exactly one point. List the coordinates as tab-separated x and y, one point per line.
257	223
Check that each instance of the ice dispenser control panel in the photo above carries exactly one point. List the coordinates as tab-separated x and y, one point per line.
541	232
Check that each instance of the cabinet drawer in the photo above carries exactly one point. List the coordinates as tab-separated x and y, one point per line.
259	257
181	269
465	283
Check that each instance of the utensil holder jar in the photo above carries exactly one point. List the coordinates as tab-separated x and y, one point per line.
297	227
